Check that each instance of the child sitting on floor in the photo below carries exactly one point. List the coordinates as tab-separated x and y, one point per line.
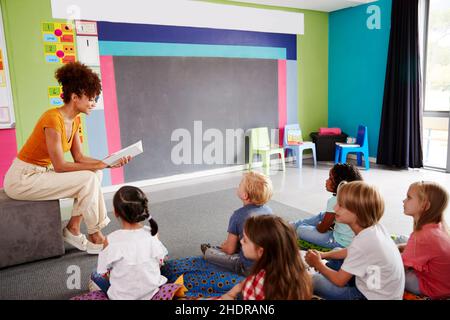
255	190
129	267
278	272
426	256
372	257
318	229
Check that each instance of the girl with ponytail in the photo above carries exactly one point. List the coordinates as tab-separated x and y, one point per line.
129	266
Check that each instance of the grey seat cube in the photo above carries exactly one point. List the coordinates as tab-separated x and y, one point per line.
29	230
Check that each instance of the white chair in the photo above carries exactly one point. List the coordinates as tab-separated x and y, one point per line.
297	149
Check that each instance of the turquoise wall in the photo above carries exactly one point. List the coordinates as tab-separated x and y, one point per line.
357	68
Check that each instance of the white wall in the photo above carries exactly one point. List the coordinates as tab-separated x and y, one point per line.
180	13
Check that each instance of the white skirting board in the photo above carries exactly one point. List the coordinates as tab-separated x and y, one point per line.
66	204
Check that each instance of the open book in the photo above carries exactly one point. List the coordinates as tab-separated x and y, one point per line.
132	150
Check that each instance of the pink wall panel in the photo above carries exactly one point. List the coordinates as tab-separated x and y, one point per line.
8	151
111	113
282	99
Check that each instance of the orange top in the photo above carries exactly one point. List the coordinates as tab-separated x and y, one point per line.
35	149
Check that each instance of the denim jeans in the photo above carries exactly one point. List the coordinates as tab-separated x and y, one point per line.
306	230
101	280
336	264
412	282
229	262
400	239
326	289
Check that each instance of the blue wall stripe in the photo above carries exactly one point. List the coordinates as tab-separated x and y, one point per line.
121	48
134	32
98	146
357	69
292	91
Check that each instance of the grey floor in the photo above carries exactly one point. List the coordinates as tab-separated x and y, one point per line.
184	224
194	211
305	189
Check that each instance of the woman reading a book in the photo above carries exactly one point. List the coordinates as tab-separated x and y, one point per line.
40	171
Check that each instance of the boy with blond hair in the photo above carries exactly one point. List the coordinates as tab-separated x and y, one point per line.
372	267
255	190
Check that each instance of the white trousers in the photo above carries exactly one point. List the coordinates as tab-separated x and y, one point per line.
25	181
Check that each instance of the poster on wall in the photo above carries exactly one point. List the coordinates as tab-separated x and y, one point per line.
55	96
59	42
87	42
4	115
2	71
86	28
88	51
7	120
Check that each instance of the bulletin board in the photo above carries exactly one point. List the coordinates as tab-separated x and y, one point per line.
158	95
7	119
59	42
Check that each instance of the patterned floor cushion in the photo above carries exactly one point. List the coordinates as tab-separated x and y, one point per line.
411	296
166	292
201	278
94	295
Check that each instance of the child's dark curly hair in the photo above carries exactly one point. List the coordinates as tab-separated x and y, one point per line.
77	78
344	172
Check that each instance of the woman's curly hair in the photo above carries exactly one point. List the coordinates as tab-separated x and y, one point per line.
77	78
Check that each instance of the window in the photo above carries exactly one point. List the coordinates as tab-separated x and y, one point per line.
437	83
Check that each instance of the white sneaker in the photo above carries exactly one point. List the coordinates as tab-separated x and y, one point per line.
93	248
79	241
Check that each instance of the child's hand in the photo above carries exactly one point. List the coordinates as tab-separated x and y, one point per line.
313	258
232	294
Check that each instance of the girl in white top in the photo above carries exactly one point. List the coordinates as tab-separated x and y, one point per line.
133	254
372	258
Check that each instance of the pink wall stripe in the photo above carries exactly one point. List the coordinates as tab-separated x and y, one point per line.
282	100
111	113
8	147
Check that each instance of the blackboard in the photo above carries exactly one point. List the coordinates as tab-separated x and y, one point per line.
157	95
